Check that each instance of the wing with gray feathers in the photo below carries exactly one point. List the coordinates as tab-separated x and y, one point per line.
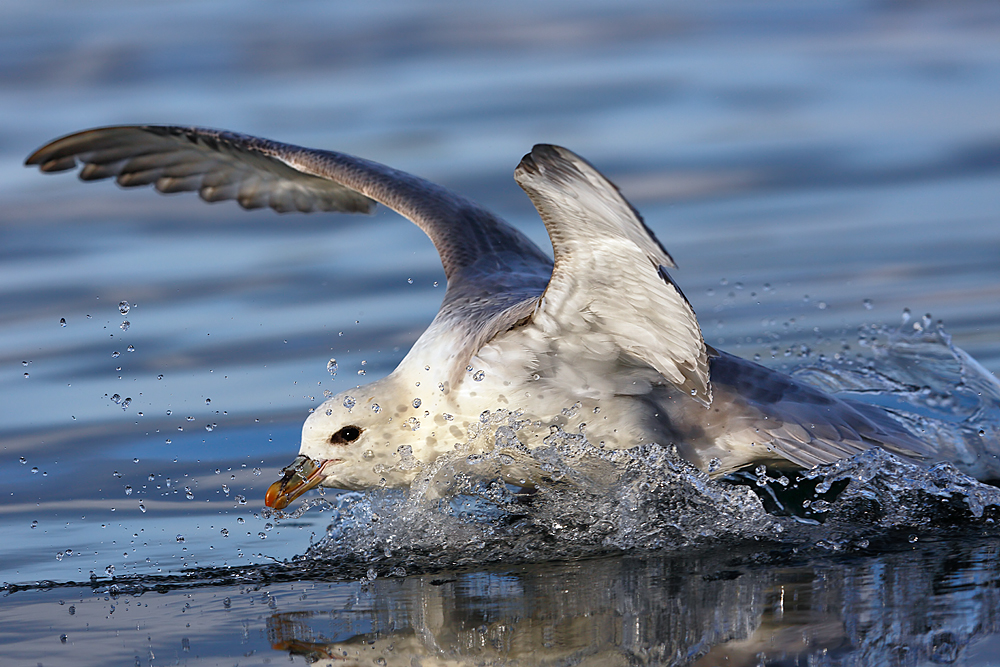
804	425
610	271
482	255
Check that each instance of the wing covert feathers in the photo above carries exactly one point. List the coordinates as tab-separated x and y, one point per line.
610	270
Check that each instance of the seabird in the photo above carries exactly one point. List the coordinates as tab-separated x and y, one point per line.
601	339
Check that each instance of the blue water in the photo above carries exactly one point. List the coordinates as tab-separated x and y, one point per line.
813	167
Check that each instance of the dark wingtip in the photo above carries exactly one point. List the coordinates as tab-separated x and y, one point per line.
527	165
542	154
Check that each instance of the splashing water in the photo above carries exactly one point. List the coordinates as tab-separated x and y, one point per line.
591	501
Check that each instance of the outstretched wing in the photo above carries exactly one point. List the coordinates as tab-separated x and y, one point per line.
610	271
260	173
482	255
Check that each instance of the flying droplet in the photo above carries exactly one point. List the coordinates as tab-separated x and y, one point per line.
416	402
478	377
62	321
125	325
331	366
349	402
124	307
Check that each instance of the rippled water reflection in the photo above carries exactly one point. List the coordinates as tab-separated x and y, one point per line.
813	168
931	602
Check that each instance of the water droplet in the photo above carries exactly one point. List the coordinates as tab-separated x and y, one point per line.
906	315
34	524
179	538
125	325
190	419
416	402
868	304
435	283
331	366
448	417
478	377
714	464
124	307
227	603
130	348
188	493
128	490
62	321
225	533
209	427
26	376
23	460
361	372
982	432
409	281
262	535
376	408
125	403
913	538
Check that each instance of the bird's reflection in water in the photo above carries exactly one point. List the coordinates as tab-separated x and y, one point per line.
928	604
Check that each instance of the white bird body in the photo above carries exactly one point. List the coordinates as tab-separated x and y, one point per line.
600	340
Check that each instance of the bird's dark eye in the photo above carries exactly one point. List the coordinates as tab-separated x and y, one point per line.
345	435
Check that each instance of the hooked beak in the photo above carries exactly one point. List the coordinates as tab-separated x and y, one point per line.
301	475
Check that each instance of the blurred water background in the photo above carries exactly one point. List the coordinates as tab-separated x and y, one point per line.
815	168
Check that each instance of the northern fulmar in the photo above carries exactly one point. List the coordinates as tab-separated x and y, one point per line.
602	326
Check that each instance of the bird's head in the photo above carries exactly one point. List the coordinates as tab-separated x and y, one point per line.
353	441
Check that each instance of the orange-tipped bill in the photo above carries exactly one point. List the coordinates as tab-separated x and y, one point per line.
303	474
